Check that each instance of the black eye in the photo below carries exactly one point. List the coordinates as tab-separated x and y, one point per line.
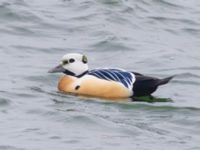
65	62
71	60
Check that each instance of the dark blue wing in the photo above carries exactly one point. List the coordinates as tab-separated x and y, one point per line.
124	77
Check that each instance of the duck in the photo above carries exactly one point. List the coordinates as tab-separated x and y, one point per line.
108	83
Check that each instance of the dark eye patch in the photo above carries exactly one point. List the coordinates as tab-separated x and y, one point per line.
84	59
65	62
71	60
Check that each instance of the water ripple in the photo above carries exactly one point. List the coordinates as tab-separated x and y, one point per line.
4	101
7	147
155	37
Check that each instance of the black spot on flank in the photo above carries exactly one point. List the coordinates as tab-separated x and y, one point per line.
77	87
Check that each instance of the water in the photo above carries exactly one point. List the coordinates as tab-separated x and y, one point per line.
153	37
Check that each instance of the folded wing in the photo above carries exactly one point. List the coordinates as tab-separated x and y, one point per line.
124	77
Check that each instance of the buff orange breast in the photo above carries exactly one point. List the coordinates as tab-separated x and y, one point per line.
92	86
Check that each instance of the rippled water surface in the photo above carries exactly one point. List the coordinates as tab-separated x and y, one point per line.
154	37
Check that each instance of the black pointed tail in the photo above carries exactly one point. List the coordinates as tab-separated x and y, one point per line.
165	80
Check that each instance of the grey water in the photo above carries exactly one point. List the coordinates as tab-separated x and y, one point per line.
154	37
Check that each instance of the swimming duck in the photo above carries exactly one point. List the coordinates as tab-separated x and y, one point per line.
104	83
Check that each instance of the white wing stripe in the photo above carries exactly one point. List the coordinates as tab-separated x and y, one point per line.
124	77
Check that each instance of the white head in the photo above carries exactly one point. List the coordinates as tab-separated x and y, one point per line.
72	64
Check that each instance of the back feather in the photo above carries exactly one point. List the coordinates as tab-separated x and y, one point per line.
165	80
121	76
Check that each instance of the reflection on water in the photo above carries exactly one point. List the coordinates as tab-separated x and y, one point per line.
151	99
153	37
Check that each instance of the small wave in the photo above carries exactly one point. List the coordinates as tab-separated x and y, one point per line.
8	147
168	4
110	44
192	31
175	20
148	106
4	102
7	13
111	2
187	82
189	74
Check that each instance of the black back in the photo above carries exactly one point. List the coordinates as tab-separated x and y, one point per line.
145	85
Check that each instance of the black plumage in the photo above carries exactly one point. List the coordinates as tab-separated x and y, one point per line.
145	85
